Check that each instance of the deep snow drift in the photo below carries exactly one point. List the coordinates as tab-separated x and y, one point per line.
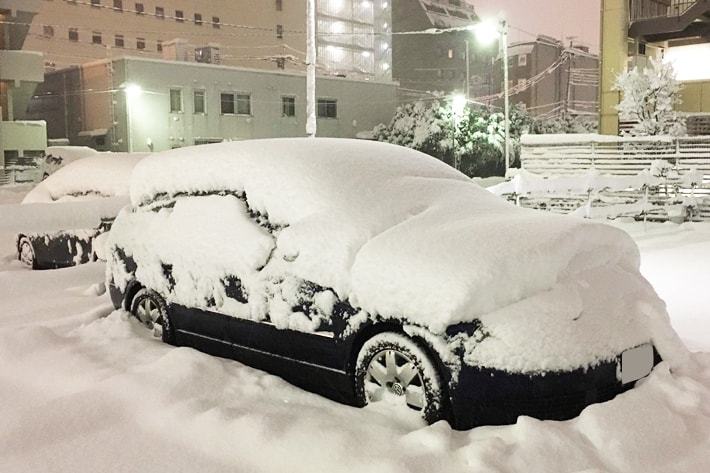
442	250
83	392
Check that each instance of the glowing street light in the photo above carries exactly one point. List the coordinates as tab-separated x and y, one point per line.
486	32
458	105
133	91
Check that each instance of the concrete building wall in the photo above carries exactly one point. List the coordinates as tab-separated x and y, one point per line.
20	73
435	63
261	34
144	122
614	55
566	86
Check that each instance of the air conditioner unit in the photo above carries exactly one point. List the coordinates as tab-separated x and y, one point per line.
208	55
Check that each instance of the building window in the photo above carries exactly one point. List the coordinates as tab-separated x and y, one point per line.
179	16
279	5
215	22
175	100
280	31
159	46
227	104
119	42
243	104
280	63
96	37
288	106
140	44
118	5
198	19
48	31
95	3
73	34
199	101
450	54
327	108
160	12
140	9
523	60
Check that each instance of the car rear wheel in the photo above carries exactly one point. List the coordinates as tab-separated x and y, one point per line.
151	310
27	254
395	371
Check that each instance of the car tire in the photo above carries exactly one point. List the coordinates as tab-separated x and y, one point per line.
394	367
26	253
152	311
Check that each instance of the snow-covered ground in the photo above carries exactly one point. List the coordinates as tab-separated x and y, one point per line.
83	389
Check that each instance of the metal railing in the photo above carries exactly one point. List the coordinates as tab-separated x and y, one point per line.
648	9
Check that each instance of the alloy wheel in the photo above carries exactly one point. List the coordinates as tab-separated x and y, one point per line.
393	374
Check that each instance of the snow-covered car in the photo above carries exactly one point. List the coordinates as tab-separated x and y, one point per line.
56	157
370	273
88	180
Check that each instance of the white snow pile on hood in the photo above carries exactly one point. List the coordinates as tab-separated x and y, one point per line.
102	175
402	235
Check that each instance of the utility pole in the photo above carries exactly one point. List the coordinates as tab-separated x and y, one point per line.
468	73
570	59
506	90
311	121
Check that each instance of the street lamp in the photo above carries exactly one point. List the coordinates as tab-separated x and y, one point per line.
458	107
133	93
487	32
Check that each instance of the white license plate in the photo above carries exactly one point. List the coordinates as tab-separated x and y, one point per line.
636	363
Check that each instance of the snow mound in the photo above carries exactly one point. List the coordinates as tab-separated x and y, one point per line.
102	175
401	235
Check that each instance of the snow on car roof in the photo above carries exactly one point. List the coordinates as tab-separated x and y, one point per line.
102	175
401	234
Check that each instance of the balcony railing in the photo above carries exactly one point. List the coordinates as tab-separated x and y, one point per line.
647	9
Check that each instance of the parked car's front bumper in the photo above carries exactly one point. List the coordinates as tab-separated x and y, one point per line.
485	396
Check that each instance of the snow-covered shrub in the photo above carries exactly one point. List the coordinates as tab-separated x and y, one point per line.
649	97
476	139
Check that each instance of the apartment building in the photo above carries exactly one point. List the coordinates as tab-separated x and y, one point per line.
142	104
676	30
20	73
261	34
435	63
549	77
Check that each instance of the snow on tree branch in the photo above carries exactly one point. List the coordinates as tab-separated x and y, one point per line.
649	98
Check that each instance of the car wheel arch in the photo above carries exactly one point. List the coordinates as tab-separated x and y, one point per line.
132	288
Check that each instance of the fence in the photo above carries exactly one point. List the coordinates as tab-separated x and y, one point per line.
560	155
647	9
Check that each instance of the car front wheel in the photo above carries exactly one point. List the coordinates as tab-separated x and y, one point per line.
151	310
395	371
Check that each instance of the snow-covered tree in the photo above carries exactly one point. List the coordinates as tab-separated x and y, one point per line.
649	98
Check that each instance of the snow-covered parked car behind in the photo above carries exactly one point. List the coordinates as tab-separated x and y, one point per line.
56	157
371	273
89	180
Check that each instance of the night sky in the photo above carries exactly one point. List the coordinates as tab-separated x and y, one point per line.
557	18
